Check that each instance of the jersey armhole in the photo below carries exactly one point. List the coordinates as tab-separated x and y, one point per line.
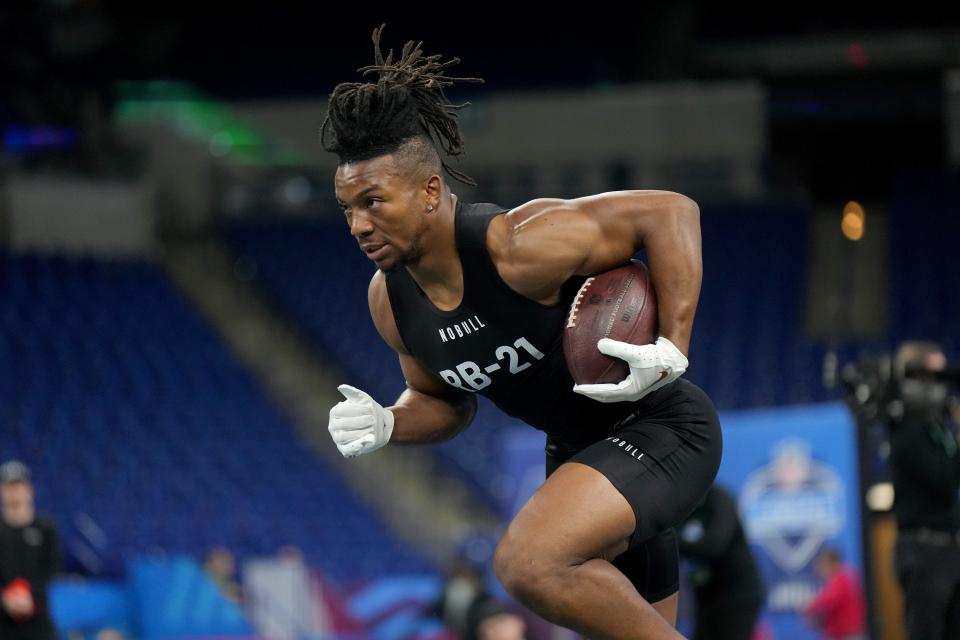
393	313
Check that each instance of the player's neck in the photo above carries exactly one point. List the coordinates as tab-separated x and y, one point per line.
439	272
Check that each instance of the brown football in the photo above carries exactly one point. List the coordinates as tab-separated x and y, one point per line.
619	304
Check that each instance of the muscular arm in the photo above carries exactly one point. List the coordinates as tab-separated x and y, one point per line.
541	244
429	410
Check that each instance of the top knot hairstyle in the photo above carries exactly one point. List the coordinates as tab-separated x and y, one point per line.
366	120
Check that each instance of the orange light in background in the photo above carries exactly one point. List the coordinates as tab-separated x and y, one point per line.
854	221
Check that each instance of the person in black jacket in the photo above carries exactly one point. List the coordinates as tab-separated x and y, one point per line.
925	469
29	558
726	583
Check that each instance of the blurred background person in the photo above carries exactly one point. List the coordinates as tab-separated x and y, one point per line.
726	584
462	590
838	610
490	619
221	566
29	558
925	470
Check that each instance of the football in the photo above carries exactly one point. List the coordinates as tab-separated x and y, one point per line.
619	304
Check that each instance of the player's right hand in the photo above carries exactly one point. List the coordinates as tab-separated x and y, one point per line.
652	366
359	424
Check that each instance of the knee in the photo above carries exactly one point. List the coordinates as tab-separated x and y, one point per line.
512	567
527	576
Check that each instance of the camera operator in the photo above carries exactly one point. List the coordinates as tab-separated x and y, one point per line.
925	469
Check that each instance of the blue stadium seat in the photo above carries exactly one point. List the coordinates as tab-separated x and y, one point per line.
128	408
924	257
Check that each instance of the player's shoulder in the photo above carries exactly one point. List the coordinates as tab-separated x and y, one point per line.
378	284
506	229
378	296
536	247
520	214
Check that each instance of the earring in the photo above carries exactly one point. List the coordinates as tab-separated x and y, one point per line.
429	207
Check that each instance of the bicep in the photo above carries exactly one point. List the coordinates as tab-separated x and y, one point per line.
544	243
627	221
549	241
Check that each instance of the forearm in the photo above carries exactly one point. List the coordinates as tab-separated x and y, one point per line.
421	418
676	266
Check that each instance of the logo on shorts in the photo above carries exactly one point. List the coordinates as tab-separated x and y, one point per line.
626	447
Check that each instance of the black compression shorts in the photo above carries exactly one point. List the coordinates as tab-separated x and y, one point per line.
662	459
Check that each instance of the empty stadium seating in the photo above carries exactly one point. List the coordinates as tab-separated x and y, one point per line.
130	410
925	260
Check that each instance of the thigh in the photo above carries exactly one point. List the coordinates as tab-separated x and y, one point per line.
664	461
576	515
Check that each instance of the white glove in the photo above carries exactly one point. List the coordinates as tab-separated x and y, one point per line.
359	424
651	366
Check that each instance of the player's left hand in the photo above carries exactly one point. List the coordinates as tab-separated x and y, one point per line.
652	366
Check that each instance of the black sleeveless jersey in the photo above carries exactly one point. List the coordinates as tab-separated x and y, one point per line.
500	343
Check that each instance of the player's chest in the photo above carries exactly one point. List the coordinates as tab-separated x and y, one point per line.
477	351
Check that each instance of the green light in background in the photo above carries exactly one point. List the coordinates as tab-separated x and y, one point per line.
201	118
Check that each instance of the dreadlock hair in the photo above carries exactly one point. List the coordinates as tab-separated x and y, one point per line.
406	105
